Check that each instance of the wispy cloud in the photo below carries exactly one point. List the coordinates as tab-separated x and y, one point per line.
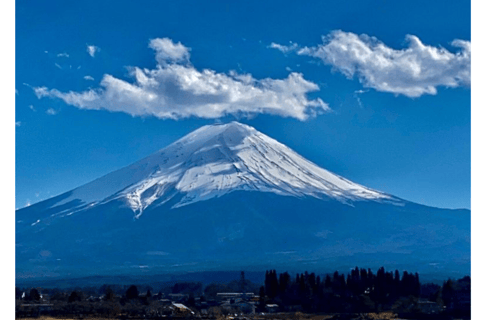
285	49
58	66
90	78
176	89
92	50
51	111
361	91
64	55
18	123
413	71
31	107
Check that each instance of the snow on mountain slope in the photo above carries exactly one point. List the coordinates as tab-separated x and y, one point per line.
215	160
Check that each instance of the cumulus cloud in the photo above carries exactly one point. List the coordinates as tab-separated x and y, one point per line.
90	78
176	89
166	51
92	50
413	71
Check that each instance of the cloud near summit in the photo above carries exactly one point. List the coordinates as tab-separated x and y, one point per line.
175	89
414	71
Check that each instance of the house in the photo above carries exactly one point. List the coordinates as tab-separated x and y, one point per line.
181	309
165	302
271	308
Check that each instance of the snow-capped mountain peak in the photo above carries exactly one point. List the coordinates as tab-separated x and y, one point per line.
227	196
215	160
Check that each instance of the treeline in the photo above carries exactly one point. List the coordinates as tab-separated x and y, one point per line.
359	291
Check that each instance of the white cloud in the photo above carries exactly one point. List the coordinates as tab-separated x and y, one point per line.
18	123
92	50
361	91
175	89
64	55
284	49
51	111
416	70
31	107
167	51
356	94
90	78
58	66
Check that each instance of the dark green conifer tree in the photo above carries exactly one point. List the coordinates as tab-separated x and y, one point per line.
131	293
34	295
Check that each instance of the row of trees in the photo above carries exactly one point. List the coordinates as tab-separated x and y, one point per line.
360	290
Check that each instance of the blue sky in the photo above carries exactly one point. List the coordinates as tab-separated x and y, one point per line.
81	114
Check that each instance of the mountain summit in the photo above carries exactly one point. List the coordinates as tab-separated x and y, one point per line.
213	161
226	197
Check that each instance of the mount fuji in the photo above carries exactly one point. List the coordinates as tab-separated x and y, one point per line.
226	197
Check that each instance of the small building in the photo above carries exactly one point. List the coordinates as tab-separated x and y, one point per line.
271	308
165	302
181	309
